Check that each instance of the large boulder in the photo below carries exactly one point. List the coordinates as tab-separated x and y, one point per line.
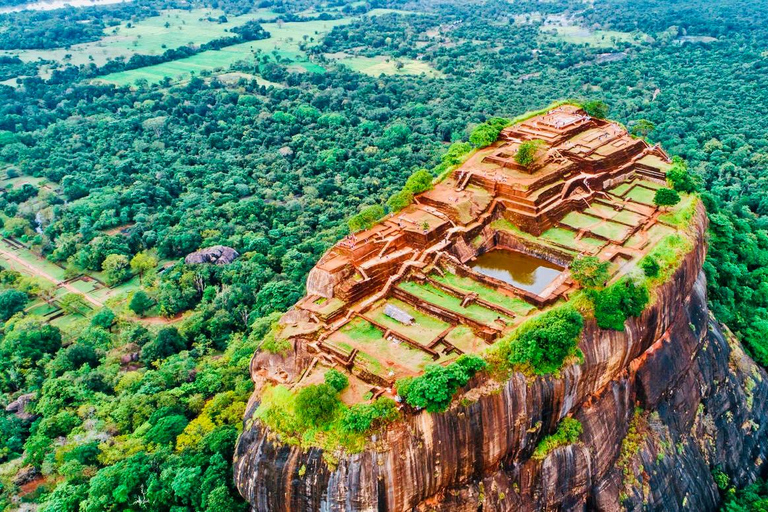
217	255
19	407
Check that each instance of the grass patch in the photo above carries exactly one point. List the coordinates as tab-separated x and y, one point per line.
284	42
654	234
513	304
463	338
641	195
622	189
681	214
561	236
379	355
31	259
597	39
578	220
611	230
360	330
567	238
429	293
424	329
668	253
628	217
327	306
149	36
505	225
42	309
381	65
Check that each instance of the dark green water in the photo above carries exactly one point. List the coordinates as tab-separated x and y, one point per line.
521	270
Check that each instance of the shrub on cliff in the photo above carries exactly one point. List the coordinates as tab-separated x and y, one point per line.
399	200
419	181
486	133
568	432
596	108
546	340
650	266
316	405
455	153
360	418
618	302
366	218
590	272
527	152
434	389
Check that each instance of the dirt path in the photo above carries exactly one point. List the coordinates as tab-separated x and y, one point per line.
45	275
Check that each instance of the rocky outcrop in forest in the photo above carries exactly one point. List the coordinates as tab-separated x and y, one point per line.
664	404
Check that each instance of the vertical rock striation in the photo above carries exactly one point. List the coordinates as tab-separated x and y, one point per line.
662	404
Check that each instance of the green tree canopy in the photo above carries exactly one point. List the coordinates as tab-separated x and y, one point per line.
140	303
11	302
666	197
596	108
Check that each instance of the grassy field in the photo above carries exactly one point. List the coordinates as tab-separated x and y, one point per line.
620	190
465	340
149	37
379	355
381	65
682	213
655	233
600	210
596	38
29	258
283	43
629	217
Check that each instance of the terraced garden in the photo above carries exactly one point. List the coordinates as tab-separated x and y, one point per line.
434	295
513	304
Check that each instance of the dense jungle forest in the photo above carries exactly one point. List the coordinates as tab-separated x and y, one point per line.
136	400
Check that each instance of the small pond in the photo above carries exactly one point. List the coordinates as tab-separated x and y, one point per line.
518	269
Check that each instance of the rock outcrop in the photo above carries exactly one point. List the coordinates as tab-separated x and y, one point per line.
663	404
19	407
217	255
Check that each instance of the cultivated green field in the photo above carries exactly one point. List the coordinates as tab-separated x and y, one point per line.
375	66
597	38
147	37
284	43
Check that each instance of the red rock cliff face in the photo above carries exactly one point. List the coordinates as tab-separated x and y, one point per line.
662	404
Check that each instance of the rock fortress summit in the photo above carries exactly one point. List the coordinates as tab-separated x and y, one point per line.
479	258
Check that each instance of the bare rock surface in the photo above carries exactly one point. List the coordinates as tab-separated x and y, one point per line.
19	406
217	255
